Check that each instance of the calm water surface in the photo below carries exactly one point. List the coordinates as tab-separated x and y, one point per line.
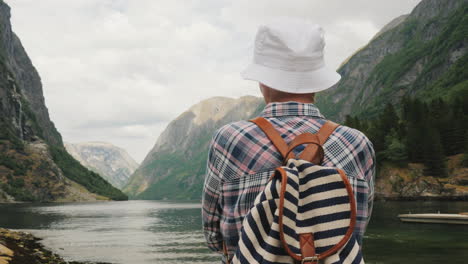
143	232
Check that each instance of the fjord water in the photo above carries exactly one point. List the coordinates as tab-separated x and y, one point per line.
143	232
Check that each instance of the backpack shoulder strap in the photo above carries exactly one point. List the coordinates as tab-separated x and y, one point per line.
272	134
313	152
326	130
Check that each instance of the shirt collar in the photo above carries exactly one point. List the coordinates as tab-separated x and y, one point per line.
291	108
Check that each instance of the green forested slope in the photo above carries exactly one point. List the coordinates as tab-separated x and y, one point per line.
424	57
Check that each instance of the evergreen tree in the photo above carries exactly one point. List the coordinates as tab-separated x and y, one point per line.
395	150
465	155
387	121
356	123
364	127
414	119
457	128
434	158
389	118
425	133
349	121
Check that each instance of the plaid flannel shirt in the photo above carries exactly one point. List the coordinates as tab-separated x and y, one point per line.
241	159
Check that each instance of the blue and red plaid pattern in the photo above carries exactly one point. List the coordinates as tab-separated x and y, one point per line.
241	160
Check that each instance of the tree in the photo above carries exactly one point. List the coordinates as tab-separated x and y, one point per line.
465	155
350	121
387	121
395	150
356	123
414	119
434	158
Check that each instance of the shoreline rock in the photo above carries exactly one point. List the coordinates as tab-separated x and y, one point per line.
408	183
24	248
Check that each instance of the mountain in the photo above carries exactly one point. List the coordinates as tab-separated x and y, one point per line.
175	167
114	164
422	55
34	165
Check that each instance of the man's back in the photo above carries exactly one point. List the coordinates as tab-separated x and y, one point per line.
242	159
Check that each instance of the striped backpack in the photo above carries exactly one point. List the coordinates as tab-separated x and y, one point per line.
306	213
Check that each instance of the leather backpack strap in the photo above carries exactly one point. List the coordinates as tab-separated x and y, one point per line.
326	130
272	134
313	148
314	152
225	253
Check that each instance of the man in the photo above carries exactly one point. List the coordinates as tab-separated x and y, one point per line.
289	66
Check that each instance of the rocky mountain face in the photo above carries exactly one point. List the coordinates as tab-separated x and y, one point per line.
21	74
34	165
422	55
175	167
114	164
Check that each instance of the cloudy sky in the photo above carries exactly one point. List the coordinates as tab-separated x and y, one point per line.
120	70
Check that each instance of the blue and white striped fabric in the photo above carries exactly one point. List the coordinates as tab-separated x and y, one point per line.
301	198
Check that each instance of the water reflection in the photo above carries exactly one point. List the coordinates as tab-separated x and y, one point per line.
143	232
118	232
18	216
388	240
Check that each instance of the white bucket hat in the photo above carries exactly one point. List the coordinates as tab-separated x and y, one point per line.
288	56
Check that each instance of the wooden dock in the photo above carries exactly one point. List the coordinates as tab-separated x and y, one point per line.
460	219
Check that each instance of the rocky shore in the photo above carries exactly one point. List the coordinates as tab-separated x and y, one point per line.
410	183
24	248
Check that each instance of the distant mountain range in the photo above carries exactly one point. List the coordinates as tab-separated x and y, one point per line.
34	165
114	164
175	167
421	55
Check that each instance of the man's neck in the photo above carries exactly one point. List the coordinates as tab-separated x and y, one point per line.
271	95
294	99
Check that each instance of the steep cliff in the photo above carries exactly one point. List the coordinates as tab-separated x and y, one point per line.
21	91
175	167
421	55
34	165
113	163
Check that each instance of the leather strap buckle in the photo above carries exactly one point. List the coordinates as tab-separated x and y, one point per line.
313	259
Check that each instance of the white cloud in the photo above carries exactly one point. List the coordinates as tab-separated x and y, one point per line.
120	70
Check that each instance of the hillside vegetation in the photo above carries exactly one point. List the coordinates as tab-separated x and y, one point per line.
421	150
423	57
